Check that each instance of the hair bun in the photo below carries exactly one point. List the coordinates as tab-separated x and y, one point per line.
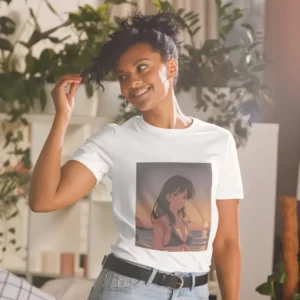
162	22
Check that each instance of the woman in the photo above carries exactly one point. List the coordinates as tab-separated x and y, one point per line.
144	55
170	223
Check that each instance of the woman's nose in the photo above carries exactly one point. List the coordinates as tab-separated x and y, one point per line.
135	81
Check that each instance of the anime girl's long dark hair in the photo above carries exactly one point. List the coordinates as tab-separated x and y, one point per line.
174	184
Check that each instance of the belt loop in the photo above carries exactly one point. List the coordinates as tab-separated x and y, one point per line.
153	273
193	282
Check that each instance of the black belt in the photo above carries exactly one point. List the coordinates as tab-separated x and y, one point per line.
172	281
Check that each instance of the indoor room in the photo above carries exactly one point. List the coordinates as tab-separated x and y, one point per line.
149	149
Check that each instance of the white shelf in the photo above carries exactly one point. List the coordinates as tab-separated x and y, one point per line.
102	234
52	275
17	271
56	231
102	200
213	288
75	120
42	274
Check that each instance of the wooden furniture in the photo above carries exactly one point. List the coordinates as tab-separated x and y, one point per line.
290	246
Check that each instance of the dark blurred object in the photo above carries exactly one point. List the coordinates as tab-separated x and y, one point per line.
286	257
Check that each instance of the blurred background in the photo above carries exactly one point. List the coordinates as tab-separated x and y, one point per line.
239	68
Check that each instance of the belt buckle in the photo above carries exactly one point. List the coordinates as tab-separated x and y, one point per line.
179	284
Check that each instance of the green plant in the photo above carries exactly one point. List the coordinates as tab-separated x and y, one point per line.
13	176
23	79
13	184
20	87
275	281
126	112
88	28
92	27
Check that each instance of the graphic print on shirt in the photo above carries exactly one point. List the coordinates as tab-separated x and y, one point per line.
173	206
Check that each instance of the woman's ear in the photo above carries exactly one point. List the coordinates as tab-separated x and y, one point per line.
172	66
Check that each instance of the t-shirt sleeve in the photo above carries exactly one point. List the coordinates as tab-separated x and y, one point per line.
98	152
230	184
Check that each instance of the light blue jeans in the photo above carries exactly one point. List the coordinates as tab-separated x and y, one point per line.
112	286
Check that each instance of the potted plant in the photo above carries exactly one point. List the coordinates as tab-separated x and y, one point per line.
24	87
88	27
13	187
91	27
15	162
283	283
221	84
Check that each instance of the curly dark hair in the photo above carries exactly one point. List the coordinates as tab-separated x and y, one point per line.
160	31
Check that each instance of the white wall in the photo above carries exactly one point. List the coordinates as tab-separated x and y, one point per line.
206	9
258	161
18	10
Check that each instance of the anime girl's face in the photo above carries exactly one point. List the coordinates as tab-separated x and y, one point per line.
177	199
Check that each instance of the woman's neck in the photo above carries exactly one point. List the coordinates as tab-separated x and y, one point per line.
167	114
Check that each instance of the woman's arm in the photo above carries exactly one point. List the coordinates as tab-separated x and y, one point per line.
53	187
226	249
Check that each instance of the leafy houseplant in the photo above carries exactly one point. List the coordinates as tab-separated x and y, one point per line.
284	281
21	85
90	28
13	183
208	69
274	282
14	174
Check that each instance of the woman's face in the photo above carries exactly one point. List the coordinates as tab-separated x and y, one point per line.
178	199
144	78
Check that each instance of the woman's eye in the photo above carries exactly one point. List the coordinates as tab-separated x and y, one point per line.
122	77
141	68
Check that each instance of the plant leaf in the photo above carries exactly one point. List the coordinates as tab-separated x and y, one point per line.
12	230
116	1
13	215
13	241
280	274
89	90
259	68
51	7
34	19
7	1
266	288
56	40
6	45
43	98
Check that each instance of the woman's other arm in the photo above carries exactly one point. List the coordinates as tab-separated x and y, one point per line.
226	249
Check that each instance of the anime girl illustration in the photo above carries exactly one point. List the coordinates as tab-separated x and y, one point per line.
173	207
170	221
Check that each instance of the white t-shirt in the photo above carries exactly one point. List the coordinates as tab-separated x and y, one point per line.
165	185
